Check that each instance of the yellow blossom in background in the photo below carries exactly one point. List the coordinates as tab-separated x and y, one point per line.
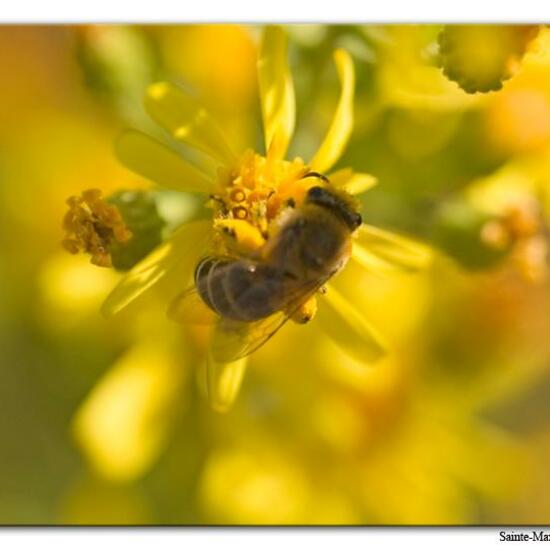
223	76
518	119
123	422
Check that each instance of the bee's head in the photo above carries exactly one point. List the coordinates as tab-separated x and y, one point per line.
337	204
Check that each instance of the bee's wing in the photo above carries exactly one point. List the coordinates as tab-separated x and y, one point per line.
233	340
188	308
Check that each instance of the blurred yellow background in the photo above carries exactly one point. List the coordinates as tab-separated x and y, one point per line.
104	420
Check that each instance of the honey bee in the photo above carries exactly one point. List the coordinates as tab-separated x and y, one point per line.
254	297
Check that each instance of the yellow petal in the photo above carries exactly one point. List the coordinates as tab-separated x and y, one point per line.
224	382
276	92
371	262
257	482
342	124
178	254
352	182
188	308
394	249
123	424
153	160
348	328
187	121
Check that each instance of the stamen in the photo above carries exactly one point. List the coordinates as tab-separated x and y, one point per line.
240	213
257	191
237	195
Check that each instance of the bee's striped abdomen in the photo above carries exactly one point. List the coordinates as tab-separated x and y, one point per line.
239	290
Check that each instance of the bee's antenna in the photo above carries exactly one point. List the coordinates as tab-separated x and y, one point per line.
316	175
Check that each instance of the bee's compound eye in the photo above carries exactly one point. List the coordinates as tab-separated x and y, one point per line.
357	220
316	192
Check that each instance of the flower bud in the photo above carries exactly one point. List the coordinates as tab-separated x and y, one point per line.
479	58
140	213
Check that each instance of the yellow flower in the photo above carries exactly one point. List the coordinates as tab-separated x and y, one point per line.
248	192
519	223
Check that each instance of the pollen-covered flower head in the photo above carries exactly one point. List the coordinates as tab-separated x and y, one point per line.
252	196
93	225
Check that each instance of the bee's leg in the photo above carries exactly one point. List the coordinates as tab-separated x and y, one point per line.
241	237
305	312
222	205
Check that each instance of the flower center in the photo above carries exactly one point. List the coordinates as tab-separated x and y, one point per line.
92	225
252	195
258	188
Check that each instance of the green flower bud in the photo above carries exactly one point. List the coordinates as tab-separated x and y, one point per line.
479	58
140	214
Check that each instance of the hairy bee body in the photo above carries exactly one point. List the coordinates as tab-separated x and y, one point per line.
312	244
